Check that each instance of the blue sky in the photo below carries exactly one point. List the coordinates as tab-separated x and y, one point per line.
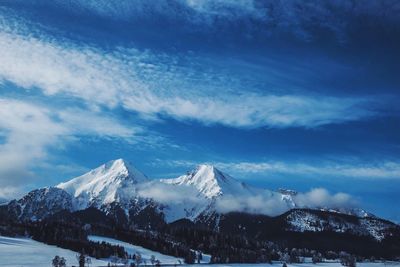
299	94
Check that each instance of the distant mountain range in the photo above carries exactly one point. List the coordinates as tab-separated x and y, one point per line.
203	196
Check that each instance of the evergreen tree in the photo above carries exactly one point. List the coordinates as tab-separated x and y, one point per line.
59	261
190	257
316	257
153	259
138	258
347	259
56	261
199	257
81	259
62	262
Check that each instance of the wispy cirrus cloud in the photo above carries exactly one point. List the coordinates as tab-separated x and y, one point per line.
299	18
381	170
155	85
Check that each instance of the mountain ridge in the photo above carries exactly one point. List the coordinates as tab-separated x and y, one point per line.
121	191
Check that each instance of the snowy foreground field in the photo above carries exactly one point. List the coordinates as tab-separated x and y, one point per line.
24	252
27	252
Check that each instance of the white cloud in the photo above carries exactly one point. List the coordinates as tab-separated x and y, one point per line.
380	170
167	193
124	77
27	130
234	9
300	18
30	129
273	205
257	204
321	198
82	122
383	170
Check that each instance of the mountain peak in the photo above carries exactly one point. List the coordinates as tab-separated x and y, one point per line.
204	168
209	181
106	183
210	172
120	168
118	162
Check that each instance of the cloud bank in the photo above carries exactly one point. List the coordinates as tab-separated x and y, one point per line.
167	193
263	202
321	198
257	204
273	205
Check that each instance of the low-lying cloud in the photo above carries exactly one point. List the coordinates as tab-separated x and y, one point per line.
273	205
257	204
264	202
322	198
171	194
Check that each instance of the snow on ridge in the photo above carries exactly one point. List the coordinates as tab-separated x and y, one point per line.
210	182
202	191
113	181
302	221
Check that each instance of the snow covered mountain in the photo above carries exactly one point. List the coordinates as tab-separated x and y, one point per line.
202	195
214	189
202	187
115	181
119	185
211	182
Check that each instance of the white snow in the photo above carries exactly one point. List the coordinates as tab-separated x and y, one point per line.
132	249
211	182
220	192
113	181
25	252
21	252
375	228
302	221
